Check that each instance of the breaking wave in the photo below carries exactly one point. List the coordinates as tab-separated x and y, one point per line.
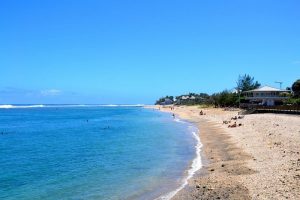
8	106
21	106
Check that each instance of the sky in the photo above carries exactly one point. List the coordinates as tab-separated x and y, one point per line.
135	51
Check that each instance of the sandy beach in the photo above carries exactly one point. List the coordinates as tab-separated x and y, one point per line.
258	160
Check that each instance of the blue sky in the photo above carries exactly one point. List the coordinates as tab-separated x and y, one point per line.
128	51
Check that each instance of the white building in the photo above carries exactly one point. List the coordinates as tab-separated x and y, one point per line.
185	97
267	96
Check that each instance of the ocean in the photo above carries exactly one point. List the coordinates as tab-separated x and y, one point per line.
94	152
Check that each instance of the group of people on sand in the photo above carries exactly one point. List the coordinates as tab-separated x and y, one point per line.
235	124
202	113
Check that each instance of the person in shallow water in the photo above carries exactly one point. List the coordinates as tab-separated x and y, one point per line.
105	128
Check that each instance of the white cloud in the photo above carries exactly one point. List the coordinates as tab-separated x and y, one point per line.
51	92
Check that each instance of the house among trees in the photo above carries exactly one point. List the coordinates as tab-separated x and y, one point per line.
185	99
168	100
266	96
192	99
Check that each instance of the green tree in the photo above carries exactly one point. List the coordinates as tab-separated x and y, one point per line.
170	97
246	82
163	99
296	88
225	98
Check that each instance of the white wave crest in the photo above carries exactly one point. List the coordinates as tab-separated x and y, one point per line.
15	106
178	120
7	106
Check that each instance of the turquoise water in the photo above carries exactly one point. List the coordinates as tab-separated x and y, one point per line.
91	152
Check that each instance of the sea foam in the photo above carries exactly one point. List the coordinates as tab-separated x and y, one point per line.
196	164
8	106
21	106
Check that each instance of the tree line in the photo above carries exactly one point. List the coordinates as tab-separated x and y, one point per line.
229	98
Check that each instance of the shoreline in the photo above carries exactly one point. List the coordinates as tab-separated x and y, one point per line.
215	179
206	174
195	165
259	160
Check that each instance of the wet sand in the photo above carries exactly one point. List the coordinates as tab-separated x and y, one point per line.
258	160
223	163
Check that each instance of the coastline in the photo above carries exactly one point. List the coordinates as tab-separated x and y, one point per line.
195	166
239	162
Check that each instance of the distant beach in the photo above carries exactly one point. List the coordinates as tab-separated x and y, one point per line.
258	159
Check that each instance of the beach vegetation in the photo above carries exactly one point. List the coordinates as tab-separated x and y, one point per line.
230	98
225	99
193	99
294	97
292	101
296	88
